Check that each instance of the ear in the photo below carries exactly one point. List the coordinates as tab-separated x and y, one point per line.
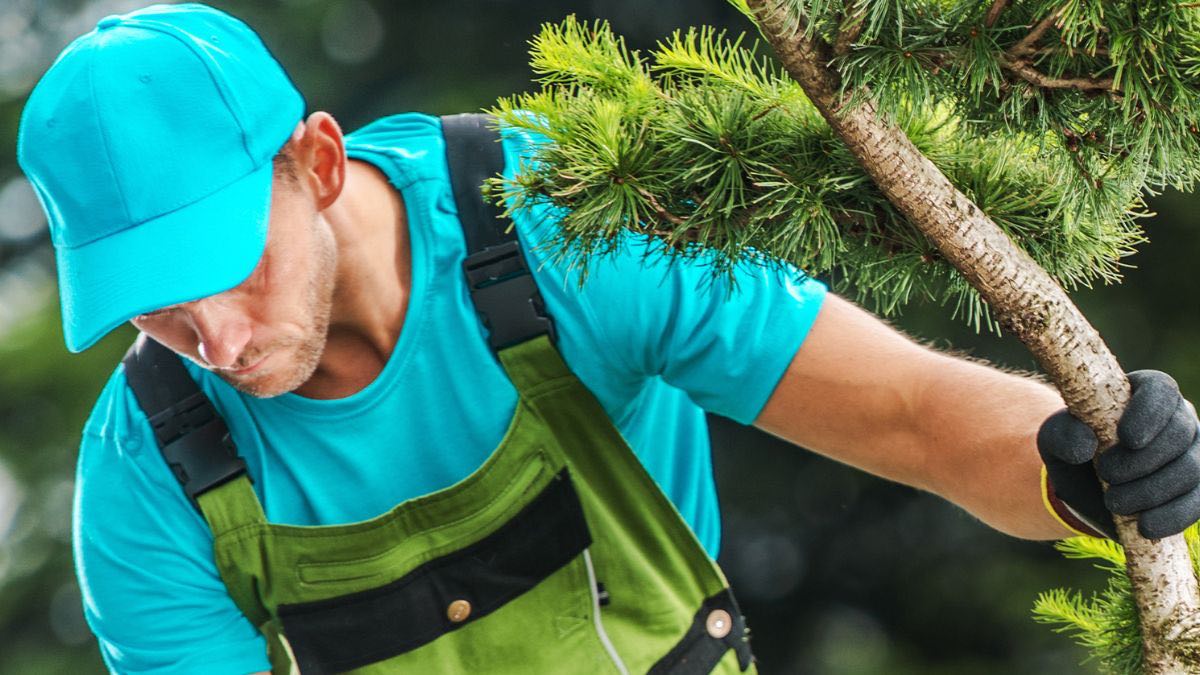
320	155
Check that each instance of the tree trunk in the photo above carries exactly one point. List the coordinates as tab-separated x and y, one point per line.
1026	301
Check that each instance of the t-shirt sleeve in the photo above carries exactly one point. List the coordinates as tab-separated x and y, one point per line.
725	340
151	591
726	343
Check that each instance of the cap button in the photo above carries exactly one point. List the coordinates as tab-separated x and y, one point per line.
108	22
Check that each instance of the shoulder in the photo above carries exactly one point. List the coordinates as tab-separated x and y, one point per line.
121	475
117	436
395	130
143	555
410	144
722	335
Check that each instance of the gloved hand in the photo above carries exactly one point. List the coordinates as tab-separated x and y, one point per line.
1153	470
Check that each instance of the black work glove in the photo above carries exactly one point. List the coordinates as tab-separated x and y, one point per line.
1152	471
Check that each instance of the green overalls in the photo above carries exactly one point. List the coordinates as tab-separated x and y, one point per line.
559	555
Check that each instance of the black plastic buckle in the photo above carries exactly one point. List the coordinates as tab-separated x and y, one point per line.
506	296
196	444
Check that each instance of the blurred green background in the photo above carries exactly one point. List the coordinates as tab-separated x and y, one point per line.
838	572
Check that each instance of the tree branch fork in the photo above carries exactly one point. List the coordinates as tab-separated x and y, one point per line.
1020	60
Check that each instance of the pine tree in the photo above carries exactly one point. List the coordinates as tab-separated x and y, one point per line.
1107	622
984	154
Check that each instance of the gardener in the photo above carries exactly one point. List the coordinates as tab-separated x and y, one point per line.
466	499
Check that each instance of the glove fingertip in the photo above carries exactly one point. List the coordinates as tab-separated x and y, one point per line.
1154	397
1064	438
1138	378
1171	518
1158	529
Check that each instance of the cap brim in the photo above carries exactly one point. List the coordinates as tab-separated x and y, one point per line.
201	249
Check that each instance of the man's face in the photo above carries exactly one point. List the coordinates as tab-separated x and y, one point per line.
265	336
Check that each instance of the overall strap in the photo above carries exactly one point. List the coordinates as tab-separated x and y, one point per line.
502	289
191	435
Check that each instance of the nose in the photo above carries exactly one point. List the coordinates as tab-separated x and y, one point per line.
222	332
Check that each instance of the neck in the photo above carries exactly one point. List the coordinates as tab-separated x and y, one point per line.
372	283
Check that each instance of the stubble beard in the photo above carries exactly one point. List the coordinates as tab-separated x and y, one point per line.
306	351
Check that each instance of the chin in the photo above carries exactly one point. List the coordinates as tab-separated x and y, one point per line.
301	363
268	384
264	387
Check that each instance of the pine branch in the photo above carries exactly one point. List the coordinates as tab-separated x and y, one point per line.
1016	60
738	158
1028	42
660	211
1106	623
1083	170
851	26
994	12
1035	77
1069	51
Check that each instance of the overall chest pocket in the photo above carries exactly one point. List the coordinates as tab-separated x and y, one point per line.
525	582
338	560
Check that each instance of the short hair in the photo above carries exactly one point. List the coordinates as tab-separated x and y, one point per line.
285	165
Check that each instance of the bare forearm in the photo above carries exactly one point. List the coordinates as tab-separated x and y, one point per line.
981	426
864	394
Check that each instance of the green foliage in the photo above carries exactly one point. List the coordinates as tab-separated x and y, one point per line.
707	145
1121	85
1107	622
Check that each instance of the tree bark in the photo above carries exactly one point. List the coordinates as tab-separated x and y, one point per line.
1025	299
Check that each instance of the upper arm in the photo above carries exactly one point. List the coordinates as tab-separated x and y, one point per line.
852	389
151	590
724	347
644	314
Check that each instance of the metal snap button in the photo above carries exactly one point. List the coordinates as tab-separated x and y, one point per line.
719	623
459	610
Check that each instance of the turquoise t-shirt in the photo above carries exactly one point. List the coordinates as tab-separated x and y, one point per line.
657	344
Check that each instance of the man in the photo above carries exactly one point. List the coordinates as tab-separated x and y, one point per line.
313	282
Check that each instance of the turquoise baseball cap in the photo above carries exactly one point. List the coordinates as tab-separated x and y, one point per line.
149	142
